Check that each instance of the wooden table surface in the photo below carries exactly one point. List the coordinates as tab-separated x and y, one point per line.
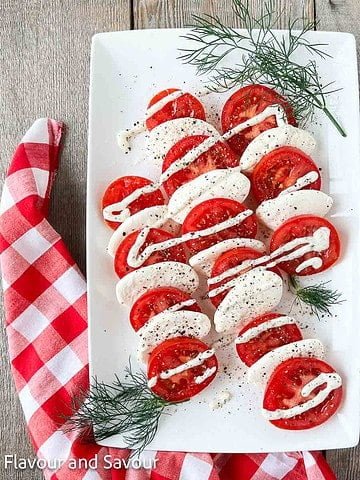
44	71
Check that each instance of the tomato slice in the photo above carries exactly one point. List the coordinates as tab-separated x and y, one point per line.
156	301
231	259
172	353
212	212
279	170
155	235
123	187
303	226
251	351
246	103
284	388
218	156
185	106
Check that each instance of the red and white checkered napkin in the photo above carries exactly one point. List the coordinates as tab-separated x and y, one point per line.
45	302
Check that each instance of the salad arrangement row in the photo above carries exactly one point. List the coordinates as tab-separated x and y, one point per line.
193	224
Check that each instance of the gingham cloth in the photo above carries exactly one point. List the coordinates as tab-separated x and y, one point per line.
45	303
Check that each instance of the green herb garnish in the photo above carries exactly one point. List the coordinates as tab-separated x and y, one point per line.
319	297
258	56
126	407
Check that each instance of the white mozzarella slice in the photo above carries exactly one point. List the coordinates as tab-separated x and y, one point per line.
276	211
286	135
165	274
203	261
260	372
170	325
165	135
222	183
255	293
156	217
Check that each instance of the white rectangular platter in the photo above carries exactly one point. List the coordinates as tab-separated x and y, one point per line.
127	69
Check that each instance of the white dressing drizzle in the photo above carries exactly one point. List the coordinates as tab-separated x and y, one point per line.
332	382
183	367
298	247
314	262
189	157
122	207
207	374
124	136
159	105
136	259
180	305
263	327
276	110
301	182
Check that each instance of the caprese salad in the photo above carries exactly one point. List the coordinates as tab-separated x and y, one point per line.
193	222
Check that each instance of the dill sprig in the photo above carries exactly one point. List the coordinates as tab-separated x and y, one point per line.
319	297
126	407
259	56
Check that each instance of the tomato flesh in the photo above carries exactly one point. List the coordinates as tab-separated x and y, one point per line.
123	187
228	260
212	212
185	106
284	388
280	169
303	226
156	301
245	104
155	235
218	156
172	353
251	351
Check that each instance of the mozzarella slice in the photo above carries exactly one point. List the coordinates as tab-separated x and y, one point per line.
170	325
260	372
156	217
165	274
273	213
222	183
273	138
255	293
203	261
165	135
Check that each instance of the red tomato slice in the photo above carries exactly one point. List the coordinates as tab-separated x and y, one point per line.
210	213
172	353
218	156
156	301
283	391
185	106
123	187
279	170
246	103
251	351
172	254
228	260
303	226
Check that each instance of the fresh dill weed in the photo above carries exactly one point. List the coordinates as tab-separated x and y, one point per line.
319	297
126	407
261	57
